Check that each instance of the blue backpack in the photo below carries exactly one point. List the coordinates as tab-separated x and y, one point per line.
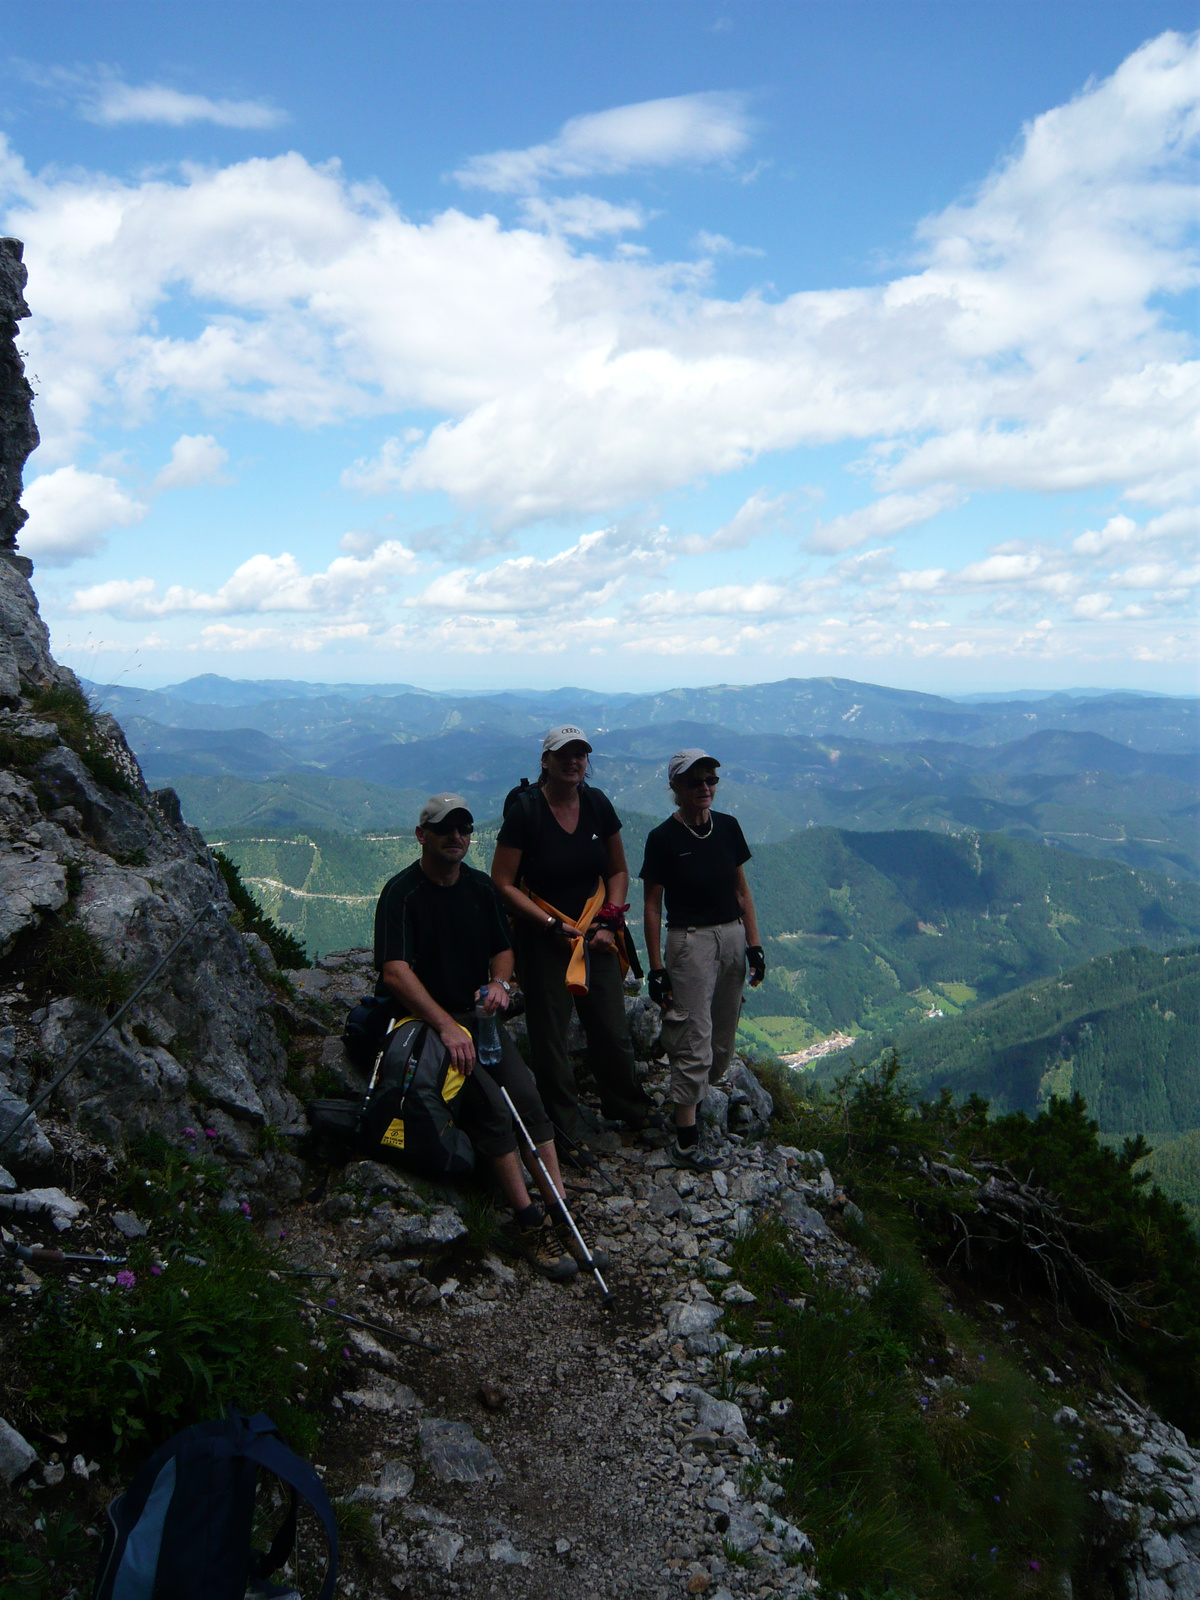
181	1531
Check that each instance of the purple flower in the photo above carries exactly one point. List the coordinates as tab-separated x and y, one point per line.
210	1133
155	1270
189	1133
345	1353
331	1302
126	1279
1035	1566
283	1233
244	1208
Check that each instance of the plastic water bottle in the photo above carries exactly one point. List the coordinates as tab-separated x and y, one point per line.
487	1034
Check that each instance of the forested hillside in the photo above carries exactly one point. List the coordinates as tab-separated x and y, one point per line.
869	930
1122	1030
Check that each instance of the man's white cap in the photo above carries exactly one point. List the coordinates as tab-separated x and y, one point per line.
439	806
567	734
683	760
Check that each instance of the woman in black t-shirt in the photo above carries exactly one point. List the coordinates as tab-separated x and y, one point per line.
560	868
695	861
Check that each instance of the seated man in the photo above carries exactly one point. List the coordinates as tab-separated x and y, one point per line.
440	935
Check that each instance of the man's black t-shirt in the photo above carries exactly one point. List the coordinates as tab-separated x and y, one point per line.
698	875
563	868
448	933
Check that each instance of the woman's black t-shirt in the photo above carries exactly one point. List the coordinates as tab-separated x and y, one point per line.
562	868
698	875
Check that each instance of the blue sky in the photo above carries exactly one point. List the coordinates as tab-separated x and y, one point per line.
622	345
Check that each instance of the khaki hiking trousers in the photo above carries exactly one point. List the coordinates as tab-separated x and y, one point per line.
707	968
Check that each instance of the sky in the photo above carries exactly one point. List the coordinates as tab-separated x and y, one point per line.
619	345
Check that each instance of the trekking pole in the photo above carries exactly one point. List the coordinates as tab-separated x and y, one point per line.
609	1297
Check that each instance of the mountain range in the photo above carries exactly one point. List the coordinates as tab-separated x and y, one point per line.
1098	774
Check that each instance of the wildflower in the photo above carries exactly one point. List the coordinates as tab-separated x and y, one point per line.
210	1133
1035	1566
155	1270
126	1279
244	1208
283	1233
98	1345
189	1133
153	1351
345	1353
331	1301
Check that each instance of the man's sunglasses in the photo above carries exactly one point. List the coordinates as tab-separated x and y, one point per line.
708	781
463	829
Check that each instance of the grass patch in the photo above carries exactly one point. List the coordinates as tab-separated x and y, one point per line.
916	1467
482	1220
77	726
60	957
199	1319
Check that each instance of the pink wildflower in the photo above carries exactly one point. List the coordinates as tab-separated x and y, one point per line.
210	1133
156	1270
244	1208
189	1133
126	1279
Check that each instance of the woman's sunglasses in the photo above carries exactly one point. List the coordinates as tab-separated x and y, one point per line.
708	781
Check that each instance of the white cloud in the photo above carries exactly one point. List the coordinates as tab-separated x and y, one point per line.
754	517
196	458
584	215
589	574
891	514
716	244
261	584
70	511
692	129
1032	349
111	103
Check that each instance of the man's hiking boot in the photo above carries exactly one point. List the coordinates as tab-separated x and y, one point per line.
568	1241
541	1248
694	1158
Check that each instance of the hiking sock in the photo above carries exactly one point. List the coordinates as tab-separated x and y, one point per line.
530	1217
558	1215
688	1138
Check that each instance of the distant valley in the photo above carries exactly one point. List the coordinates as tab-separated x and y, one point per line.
916	857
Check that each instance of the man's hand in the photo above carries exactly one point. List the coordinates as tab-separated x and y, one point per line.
601	939
658	985
756	958
495	997
459	1046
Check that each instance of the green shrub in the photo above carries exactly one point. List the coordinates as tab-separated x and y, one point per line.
52	1565
284	946
213	1322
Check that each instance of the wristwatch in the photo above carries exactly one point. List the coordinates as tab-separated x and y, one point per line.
507	987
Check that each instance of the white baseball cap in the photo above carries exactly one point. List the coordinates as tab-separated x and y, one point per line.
683	760
567	734
439	806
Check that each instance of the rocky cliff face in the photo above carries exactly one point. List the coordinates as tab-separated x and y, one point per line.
98	877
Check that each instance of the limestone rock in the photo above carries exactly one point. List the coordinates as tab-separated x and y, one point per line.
455	1455
17	1455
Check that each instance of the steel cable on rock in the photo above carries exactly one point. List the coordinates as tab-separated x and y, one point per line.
35	1106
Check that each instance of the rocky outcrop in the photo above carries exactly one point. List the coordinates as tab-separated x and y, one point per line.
98	878
18	433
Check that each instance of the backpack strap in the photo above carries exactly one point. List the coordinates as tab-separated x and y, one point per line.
265	1448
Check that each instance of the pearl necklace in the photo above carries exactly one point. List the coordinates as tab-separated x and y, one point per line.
695	832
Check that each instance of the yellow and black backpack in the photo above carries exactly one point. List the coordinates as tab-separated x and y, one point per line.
408	1116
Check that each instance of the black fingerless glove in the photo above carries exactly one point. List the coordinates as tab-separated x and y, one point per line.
756	957
659	985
